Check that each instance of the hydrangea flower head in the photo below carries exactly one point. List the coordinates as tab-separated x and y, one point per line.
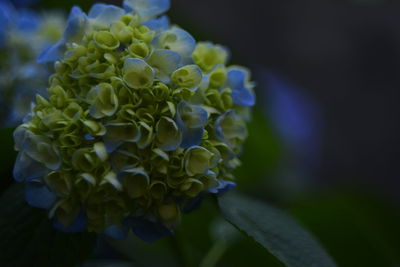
141	121
23	35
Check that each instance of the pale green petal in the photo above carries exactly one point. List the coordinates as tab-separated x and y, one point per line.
189	76
106	40
94	128
147	135
123	32
139	49
111	178
197	160
135	182
207	55
161	154
83	159
103	100
124	131
137	73
73	111
164	62
100	150
218	76
192	187
158	189
59	182
40	148
168	135
169	212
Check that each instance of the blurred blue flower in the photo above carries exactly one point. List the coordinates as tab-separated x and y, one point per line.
23	35
6	14
295	116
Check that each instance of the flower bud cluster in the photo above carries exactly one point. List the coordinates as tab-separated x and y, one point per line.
139	120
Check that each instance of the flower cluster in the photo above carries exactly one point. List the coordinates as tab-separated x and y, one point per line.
23	35
140	122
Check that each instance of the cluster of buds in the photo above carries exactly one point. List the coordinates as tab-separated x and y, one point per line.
140	121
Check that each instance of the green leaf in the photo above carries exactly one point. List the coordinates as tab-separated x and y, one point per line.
275	230
200	230
27	237
368	222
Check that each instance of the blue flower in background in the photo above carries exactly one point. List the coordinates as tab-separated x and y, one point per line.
296	118
137	111
6	14
23	35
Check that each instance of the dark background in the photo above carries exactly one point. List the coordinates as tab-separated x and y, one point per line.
346	54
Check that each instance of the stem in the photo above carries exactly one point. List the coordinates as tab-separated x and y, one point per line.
215	253
180	251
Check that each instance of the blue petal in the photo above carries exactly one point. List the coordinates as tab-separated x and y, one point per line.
147	9
158	24
165	62
27	169
198	115
223	186
20	135
192	137
88	137
147	230
78	225
112	144
52	53
193	204
38	195
192	130
137	65
76	24
182	43
103	15
116	232
241	95
236	78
